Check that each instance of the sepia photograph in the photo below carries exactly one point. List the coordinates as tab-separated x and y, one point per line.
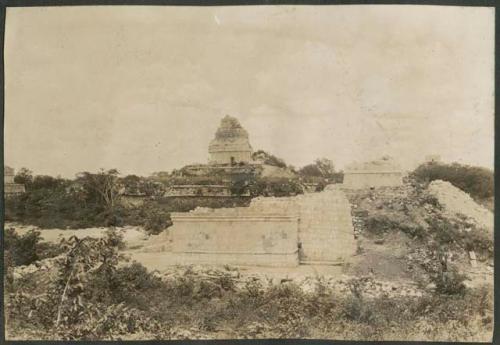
249	172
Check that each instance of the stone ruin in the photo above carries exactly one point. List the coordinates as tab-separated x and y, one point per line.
231	144
384	172
311	228
10	187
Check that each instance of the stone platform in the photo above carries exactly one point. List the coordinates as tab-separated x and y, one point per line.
313	228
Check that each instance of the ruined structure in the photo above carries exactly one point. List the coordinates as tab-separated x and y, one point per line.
10	187
311	228
200	190
231	144
379	173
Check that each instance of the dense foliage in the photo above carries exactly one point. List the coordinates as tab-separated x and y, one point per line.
80	300
320	171
21	249
89	200
27	248
476	181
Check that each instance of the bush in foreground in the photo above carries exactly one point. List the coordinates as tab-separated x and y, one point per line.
96	295
21	249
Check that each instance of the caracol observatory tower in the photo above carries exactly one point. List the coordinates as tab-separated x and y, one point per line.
230	145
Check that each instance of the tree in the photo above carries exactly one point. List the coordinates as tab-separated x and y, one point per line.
102	187
46	182
131	183
325	166
24	176
310	170
322	167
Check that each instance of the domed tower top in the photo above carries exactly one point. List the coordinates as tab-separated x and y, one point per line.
231	144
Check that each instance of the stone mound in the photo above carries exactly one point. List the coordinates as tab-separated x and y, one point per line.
457	202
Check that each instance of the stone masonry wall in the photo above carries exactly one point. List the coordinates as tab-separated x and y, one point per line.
326	234
239	238
313	228
356	180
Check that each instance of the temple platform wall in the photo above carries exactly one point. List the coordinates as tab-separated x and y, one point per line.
326	233
224	157
356	180
236	238
13	188
311	228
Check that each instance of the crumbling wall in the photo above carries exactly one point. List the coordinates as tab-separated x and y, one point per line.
198	190
326	233
357	180
311	228
236	236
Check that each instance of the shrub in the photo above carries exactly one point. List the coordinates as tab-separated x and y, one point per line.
378	224
156	219
22	249
111	217
46	250
446	233
449	282
479	240
278	187
115	238
476	181
431	200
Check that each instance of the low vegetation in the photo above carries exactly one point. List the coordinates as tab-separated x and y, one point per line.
93	293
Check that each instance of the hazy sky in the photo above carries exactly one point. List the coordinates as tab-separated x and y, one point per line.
143	89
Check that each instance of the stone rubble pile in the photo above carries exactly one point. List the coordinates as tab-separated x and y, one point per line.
456	203
369	286
402	199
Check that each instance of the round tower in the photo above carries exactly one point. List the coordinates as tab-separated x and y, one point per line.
231	144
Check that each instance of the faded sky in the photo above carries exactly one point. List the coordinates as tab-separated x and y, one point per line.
143	89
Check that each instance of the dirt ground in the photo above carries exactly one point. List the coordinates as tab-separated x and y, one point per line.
131	235
384	260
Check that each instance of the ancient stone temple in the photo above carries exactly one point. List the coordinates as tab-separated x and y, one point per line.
10	187
384	172
230	145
